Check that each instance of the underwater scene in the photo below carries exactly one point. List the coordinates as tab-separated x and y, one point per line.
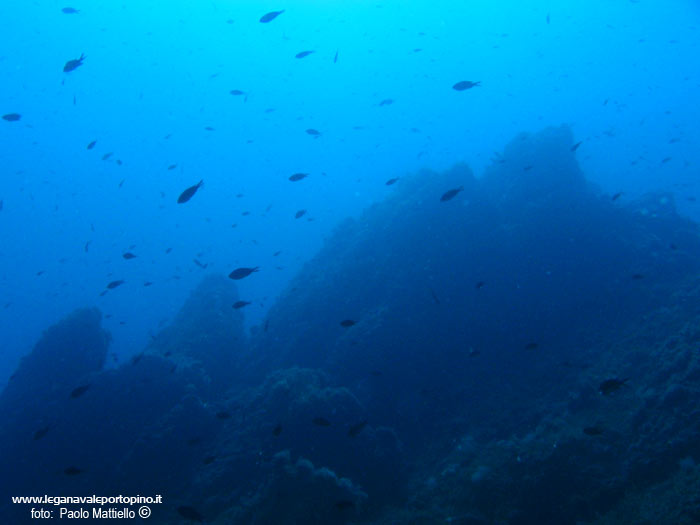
351	262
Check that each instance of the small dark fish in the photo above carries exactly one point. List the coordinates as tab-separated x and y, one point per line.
277	253
87	246
449	195
269	17
91	144
41	432
70	11
321	422
479	285
194	441
299	214
208	460
665	160
128	255
347	323
548	18
79	391
617	195
236	92
435	297
610	386
74	64
464	85
189	192
114	284
12	117
575	146
298	176
355	430
593	431
72	471
147	283
190	514
240	273
335	58
223	414
200	264
386	102
277	430
172	167
107	155
474	353
344	504
391	181
637	276
303	54
531	346
313	132
240	304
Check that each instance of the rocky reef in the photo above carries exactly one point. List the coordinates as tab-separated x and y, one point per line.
522	352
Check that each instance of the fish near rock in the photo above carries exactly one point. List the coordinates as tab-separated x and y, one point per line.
451	194
189	192
74	64
610	386
240	273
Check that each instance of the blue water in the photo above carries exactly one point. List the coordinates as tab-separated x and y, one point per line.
154	92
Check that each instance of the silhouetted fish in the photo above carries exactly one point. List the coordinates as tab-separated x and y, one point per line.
236	92
298	176
72	471
223	414
240	273
79	391
208	460
70	11
531	346
172	167
41	432
303	54
189	192
479	285
189	513
335	58
240	304
609	386
321	422
355	430
269	17
91	144
313	132
575	146
391	181
277	430
347	323
114	284
593	431
12	117
344	504
299	214
448	195
200	264
386	102
74	64
617	196
128	255
465	84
